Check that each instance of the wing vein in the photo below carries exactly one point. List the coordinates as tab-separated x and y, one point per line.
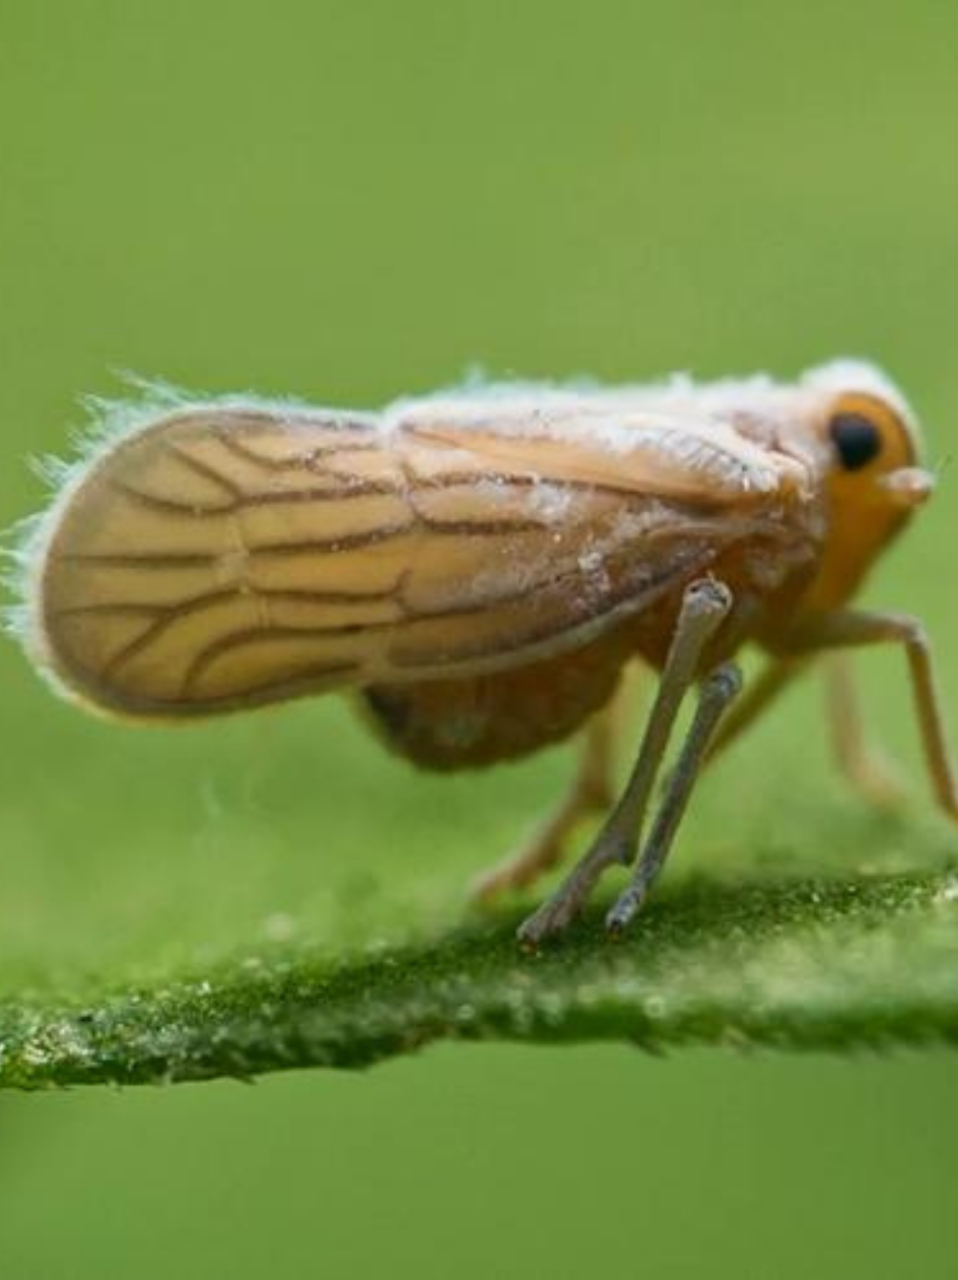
314	453
205	470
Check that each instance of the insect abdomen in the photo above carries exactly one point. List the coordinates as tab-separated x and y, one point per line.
454	724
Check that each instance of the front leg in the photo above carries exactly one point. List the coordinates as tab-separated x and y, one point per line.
852	630
860	765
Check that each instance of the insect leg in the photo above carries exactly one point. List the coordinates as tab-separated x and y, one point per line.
704	606
590	790
716	693
848	630
865	771
862	767
777	675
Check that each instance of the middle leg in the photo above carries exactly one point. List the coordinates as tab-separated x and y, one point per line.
717	692
862	766
705	605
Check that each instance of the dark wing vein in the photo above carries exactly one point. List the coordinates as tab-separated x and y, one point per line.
284	497
305	595
235	446
164	616
205	470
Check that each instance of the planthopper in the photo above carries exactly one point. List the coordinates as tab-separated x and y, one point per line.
479	567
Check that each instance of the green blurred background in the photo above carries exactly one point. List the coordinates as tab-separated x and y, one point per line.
350	201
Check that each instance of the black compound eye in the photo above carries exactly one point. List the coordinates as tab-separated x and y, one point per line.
856	439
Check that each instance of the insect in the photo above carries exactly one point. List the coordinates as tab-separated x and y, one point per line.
480	567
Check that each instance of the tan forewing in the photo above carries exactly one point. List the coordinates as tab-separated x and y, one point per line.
702	460
220	558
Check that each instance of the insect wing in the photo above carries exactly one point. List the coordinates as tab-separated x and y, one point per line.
220	558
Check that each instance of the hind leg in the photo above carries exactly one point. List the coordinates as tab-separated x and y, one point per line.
590	791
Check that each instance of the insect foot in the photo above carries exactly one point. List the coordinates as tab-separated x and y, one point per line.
557	912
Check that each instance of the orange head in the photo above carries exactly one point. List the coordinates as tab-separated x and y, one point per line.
872	484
